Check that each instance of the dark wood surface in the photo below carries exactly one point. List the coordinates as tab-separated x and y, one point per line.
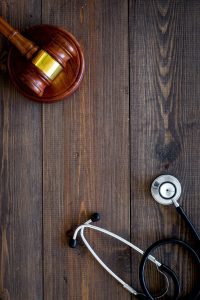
135	116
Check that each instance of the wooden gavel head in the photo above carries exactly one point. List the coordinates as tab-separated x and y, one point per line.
46	64
43	64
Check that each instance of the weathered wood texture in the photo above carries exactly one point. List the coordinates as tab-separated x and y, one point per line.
86	153
164	83
21	176
135	116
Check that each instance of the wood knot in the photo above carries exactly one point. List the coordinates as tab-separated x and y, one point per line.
167	152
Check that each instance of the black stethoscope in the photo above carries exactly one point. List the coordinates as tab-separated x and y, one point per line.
166	190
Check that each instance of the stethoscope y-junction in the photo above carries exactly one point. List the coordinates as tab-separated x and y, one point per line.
166	190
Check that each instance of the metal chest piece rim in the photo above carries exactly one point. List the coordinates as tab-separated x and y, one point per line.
166	189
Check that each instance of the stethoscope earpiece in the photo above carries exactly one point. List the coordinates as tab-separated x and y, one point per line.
72	243
95	217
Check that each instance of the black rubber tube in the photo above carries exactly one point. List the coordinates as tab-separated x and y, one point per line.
196	291
183	215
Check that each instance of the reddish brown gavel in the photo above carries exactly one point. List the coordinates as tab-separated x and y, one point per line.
43	65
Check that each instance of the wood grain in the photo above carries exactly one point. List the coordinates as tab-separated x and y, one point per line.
86	154
100	149
164	82
20	179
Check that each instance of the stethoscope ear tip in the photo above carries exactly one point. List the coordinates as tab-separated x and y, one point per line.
72	243
95	217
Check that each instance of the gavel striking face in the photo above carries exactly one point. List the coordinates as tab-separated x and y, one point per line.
43	65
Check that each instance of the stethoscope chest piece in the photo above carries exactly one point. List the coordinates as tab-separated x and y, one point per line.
165	189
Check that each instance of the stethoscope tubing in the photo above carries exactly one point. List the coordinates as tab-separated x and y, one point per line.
123	283
196	291
117	237
87	224
188	222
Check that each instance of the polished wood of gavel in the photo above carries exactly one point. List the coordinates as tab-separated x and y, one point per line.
43	65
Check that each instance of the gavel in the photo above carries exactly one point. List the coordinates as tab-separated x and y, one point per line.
43	65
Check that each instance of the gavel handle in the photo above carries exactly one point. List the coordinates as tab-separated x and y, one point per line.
25	46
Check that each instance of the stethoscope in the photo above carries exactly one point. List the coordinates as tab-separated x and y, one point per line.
166	190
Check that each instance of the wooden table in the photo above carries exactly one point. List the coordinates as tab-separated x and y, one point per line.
135	116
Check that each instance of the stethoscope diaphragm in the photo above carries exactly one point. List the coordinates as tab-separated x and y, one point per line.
166	189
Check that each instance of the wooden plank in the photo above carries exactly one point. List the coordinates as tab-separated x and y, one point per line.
86	155
21	176
165	132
